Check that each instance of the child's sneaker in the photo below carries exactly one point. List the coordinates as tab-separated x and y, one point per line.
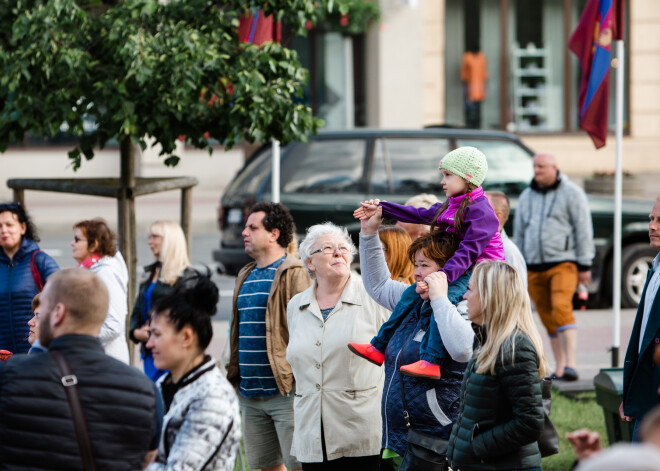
421	369
368	352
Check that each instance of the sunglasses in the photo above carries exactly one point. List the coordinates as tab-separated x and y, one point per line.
9	206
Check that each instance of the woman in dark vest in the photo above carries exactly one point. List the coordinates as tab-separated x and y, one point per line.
501	414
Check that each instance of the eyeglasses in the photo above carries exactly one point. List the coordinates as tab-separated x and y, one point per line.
330	249
77	239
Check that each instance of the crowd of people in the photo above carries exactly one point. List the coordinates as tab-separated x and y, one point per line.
433	346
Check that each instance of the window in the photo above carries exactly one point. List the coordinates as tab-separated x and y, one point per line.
532	78
407	166
324	166
336	89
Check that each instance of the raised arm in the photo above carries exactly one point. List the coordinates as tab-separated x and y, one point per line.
375	274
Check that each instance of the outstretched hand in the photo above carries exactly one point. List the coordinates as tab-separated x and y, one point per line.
370	226
366	210
585	442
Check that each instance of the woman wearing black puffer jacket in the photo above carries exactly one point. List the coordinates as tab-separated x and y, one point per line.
501	414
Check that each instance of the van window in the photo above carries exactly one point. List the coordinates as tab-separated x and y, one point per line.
407	166
510	166
249	179
324	166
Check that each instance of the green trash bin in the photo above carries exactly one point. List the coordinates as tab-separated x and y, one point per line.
609	393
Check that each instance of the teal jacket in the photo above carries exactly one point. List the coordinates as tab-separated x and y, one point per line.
501	416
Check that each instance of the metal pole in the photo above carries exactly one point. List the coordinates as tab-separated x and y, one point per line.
275	179
618	190
349	86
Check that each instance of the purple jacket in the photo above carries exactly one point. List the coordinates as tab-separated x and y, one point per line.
480	239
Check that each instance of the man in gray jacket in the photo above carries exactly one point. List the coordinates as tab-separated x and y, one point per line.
553	229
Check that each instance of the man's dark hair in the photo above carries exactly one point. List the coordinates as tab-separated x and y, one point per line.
277	217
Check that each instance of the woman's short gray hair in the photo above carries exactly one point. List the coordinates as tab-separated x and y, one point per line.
319	230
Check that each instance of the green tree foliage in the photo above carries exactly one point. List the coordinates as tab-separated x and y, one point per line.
145	69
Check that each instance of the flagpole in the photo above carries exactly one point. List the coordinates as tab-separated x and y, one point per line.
275	171
618	187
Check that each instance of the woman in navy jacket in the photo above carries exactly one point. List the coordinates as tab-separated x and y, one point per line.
22	267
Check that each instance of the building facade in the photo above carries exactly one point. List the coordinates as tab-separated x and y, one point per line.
414	79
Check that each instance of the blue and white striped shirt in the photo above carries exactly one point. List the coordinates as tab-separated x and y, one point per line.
257	379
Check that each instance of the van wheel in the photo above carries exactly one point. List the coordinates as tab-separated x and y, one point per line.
636	261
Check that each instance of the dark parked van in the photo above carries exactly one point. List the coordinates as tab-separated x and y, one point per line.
325	179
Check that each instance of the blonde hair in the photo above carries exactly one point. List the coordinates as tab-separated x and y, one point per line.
174	251
506	312
422	200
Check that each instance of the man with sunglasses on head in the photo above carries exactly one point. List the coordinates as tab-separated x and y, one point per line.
259	337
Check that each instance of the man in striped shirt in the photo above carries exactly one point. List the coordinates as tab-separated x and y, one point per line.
259	337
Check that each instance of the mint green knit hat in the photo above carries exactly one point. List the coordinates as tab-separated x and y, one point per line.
469	163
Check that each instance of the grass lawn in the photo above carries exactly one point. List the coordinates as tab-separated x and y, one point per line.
568	414
571	413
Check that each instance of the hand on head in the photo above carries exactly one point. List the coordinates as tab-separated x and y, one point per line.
366	210
585	442
437	284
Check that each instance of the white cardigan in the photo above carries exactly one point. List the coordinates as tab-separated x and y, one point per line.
333	385
113	272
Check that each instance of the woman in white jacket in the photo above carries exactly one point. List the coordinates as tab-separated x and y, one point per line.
337	397
202	424
94	248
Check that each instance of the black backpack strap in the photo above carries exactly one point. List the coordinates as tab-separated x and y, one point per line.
69	381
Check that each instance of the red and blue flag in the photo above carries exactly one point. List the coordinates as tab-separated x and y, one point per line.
591	42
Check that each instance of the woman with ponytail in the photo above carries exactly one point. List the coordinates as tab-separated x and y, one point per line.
201	427
501	414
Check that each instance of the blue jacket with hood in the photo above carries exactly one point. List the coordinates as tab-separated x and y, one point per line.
17	288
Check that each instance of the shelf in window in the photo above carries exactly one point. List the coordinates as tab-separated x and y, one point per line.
536	110
530	72
521	92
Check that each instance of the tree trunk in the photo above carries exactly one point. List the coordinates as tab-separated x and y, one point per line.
126	219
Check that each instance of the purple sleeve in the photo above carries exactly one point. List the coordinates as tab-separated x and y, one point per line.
409	213
480	224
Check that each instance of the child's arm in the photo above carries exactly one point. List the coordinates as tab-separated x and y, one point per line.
409	213
397	211
481	225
